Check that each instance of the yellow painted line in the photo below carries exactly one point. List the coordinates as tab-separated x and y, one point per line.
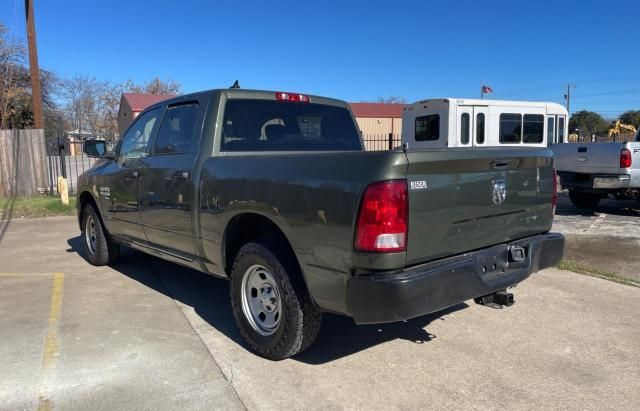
51	347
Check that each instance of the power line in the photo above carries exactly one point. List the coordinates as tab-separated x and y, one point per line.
633	90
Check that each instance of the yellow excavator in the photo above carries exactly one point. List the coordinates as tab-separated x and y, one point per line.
620	128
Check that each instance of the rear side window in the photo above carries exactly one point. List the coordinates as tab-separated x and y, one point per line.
428	127
267	125
510	128
176	131
533	128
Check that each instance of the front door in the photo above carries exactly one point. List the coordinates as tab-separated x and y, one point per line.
167	193
472	126
120	182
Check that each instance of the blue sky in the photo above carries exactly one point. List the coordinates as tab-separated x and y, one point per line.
356	50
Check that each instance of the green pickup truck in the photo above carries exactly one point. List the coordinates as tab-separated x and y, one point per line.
275	192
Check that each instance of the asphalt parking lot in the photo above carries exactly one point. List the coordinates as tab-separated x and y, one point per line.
607	237
147	334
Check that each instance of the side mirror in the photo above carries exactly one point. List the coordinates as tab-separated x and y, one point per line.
95	148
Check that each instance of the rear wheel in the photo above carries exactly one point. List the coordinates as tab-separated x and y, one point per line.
98	247
584	200
270	302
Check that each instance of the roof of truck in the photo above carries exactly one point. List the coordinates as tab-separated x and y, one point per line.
554	107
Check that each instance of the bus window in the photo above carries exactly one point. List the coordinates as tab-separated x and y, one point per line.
551	128
464	128
533	128
480	128
560	129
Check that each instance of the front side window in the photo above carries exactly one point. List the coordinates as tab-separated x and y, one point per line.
464	128
561	129
267	125
551	127
533	128
428	127
135	142
176	131
510	128
480	128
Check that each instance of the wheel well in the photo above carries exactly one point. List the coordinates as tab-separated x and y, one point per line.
248	227
84	199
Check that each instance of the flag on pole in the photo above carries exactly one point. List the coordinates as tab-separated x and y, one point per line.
486	89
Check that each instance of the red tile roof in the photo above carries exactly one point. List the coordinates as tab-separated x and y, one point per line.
139	102
377	110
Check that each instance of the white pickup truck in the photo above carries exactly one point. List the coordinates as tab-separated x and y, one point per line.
593	171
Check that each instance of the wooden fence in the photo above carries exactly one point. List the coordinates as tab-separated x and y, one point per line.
23	167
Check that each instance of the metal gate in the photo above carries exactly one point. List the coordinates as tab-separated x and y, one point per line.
67	159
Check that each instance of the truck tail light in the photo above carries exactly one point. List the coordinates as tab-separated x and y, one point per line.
383	216
625	158
554	196
301	98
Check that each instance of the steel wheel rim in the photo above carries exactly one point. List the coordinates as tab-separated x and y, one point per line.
90	233
261	303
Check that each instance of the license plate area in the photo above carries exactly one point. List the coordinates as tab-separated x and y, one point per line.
500	259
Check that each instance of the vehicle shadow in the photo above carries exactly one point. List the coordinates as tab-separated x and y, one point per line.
209	296
608	206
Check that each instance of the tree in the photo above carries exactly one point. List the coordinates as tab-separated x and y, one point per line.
84	103
392	100
15	88
631	117
588	122
155	86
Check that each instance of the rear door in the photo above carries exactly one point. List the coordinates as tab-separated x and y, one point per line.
471	199
167	182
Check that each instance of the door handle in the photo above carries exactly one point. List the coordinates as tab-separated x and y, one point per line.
501	163
183	174
135	174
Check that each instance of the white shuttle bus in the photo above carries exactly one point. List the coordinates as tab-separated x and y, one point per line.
457	122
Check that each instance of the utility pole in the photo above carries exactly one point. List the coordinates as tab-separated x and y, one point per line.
568	97
34	69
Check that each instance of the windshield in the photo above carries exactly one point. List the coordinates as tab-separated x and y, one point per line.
266	125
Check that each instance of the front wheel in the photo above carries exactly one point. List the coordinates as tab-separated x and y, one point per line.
270	302
584	200
98	247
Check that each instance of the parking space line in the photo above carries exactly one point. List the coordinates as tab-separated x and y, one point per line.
51	347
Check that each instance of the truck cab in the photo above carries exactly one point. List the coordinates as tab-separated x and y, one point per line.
458	122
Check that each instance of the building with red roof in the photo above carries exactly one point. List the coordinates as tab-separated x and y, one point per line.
377	121
132	104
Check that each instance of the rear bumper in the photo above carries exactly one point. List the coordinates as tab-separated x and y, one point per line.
594	182
431	287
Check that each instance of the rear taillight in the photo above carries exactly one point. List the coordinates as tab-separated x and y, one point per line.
383	217
625	158
292	97
554	196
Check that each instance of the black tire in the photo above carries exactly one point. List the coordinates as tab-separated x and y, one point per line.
300	320
98	247
584	200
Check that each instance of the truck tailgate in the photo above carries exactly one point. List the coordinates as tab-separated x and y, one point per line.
588	158
463	200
